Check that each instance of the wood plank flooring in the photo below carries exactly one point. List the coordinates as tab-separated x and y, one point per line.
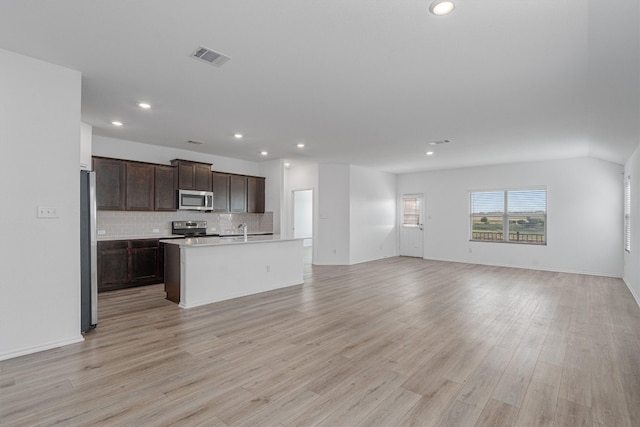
396	342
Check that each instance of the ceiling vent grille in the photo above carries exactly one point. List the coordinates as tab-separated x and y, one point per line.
194	142
209	56
442	141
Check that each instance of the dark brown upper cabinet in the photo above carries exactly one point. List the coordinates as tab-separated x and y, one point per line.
255	194
165	189
140	186
220	188
237	193
193	175
110	183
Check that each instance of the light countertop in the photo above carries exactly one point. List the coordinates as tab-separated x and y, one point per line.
106	238
221	241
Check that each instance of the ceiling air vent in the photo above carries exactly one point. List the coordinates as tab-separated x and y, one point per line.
194	142
209	56
442	141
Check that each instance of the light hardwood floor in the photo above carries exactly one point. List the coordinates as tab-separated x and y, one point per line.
396	342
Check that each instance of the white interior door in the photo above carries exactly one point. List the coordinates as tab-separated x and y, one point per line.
411	227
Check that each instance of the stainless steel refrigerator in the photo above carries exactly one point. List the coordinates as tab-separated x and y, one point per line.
88	252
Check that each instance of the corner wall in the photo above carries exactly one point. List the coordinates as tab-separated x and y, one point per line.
40	143
373	229
331	242
584	215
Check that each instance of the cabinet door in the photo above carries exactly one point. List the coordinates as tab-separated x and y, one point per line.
202	174
144	260
165	199
255	194
186	176
113	265
140	186
237	193
110	183
220	188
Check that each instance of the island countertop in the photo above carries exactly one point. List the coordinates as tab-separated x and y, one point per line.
229	240
203	270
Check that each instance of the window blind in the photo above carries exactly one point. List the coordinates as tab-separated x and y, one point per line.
627	215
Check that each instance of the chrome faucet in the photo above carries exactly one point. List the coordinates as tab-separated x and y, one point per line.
244	229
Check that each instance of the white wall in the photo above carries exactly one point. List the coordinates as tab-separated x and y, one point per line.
331	243
130	150
373	231
40	145
584	224
354	212
86	136
631	259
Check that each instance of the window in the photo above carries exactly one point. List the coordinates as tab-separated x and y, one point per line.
627	215
411	211
518	216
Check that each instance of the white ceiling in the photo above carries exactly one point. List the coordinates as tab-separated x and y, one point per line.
367	82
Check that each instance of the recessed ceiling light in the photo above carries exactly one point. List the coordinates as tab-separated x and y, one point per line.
144	105
238	135
301	145
441	7
286	165
116	123
264	153
429	153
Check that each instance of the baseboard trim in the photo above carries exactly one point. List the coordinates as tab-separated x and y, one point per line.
48	346
529	267
633	294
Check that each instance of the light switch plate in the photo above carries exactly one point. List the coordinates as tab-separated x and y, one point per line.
47	212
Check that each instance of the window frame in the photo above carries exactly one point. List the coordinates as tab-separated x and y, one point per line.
418	211
505	215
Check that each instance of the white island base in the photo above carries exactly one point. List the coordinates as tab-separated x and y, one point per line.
201	271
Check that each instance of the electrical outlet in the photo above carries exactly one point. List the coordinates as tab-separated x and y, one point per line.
156	230
101	232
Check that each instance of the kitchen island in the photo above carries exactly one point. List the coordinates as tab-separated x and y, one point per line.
203	270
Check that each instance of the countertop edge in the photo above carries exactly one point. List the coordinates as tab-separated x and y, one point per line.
197	242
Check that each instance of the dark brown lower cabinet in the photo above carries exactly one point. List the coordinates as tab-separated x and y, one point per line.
113	265
128	263
144	260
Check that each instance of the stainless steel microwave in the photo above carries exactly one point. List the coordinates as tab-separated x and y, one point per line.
195	200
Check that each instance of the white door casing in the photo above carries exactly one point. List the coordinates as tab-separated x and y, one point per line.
411	225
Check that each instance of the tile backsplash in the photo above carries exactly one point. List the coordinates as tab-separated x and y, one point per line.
113	225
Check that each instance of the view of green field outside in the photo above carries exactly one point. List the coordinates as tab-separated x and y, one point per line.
525	218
